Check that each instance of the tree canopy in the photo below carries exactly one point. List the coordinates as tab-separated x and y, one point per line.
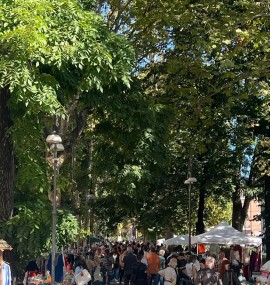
136	88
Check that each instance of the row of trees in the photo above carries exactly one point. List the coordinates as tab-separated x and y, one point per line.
135	89
206	64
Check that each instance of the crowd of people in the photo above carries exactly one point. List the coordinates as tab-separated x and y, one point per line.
146	264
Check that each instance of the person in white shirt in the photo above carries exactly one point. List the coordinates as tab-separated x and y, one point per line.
197	264
169	272
191	268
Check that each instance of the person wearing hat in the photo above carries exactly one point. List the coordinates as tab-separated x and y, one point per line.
169	273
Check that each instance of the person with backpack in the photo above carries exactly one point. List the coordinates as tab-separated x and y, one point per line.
106	267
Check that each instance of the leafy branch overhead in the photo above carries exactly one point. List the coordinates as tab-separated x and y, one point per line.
136	88
56	59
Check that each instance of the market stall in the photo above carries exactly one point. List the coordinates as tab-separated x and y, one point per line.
223	233
180	240
241	248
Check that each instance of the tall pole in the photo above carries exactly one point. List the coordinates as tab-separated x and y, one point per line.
1	264
250	218
189	217
190	180
55	142
189	203
54	217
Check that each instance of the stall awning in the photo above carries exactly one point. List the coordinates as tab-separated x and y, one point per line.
223	233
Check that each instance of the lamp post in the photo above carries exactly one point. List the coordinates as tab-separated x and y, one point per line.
189	181
55	143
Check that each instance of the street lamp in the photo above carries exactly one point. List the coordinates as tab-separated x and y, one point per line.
55	143
189	181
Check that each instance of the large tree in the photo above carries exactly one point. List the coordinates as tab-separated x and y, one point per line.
7	167
56	61
210	78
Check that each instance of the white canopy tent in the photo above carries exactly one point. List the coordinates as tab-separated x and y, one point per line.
160	241
180	240
223	233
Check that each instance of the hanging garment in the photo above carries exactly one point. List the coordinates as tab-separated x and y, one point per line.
59	267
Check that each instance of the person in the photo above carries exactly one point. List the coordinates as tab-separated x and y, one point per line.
236	264
264	273
136	248
222	269
90	264
190	267
202	263
229	276
153	266
221	265
115	265
208	276
169	273
145	250
79	266
121	264
171	255
98	254
162	264
106	267
181	261
98	276
139	276
129	260
196	263
255	261
182	277
187	255
32	268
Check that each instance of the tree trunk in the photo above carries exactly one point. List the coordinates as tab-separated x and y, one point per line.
202	188
6	158
267	216
239	212
91	185
169	233
240	208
